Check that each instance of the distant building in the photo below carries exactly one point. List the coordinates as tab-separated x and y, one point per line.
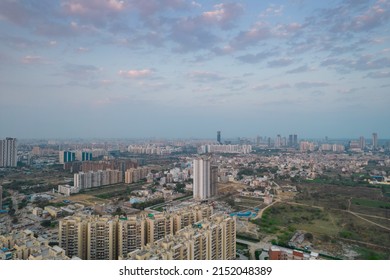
83	155
228	149
134	175
219	137
8	152
362	142
278	141
374	140
86	180
306	146
66	156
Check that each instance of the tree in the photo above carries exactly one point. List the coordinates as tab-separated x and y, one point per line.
46	223
309	236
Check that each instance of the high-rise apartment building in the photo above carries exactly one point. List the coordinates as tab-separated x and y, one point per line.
133	175
8	152
131	234
72	236
278	141
93	237
96	179
374	140
102	239
209	239
66	156
362	142
158	226
205	179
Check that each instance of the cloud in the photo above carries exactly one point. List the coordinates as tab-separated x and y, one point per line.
204	76
152	7
271	87
259	32
306	85
272	10
32	59
300	69
260	87
82	72
379	75
352	16
375	16
361	63
223	15
135	74
191	37
262	31
256	58
281	62
91	6
349	90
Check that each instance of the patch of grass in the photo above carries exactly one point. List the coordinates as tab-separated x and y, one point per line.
371	203
248	238
240	246
369	254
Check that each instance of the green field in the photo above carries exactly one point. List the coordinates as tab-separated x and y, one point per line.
328	227
371	203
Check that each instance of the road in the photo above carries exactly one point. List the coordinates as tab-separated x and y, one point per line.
260	214
254	246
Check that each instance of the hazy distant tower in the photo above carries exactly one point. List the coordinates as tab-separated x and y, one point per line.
219	137
362	142
374	140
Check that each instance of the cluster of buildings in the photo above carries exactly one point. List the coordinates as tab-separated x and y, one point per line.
23	245
105	237
96	179
8	152
228	149
134	175
282	253
209	239
152	149
69	156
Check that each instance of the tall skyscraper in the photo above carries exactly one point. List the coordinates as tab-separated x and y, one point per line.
295	140
205	179
278	141
362	142
374	140
72	235
8	152
219	137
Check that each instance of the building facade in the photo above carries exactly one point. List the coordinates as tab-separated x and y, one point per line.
8	152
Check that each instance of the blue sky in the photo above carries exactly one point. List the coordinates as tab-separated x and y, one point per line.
175	68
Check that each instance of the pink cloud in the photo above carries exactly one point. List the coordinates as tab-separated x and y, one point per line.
135	74
92	6
223	14
31	59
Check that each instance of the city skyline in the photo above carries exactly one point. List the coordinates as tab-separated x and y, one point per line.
186	69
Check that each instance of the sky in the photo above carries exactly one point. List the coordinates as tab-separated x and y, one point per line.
186	69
